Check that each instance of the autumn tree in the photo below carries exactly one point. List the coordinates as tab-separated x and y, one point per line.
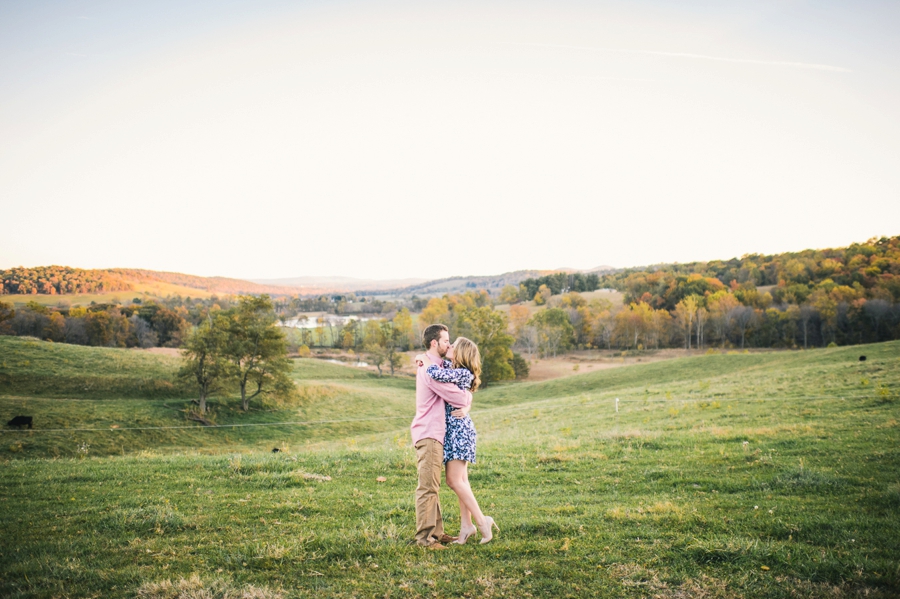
436	311
518	316
555	332
542	296
685	313
488	329
744	317
603	328
509	295
702	317
826	307
168	324
632	324
660	321
107	328
55	327
402	333
721	305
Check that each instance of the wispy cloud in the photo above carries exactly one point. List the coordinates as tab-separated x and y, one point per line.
622	79
776	63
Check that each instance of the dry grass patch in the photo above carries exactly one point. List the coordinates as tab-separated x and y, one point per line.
496	586
310	476
309	393
658	511
194	588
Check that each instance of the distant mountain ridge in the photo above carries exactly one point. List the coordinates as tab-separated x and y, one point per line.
340	283
225	285
492	283
65	280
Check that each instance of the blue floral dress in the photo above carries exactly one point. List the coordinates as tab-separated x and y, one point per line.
459	441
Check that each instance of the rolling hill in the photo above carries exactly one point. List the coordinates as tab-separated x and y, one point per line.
723	476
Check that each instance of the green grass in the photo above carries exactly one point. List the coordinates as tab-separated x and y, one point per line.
760	475
139	404
32	368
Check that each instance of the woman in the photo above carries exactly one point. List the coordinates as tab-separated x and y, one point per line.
462	368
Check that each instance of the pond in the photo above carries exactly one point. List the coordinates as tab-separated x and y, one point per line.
326	320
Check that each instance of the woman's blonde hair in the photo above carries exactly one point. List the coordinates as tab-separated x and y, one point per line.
466	355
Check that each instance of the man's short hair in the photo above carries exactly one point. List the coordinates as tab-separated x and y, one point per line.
432	333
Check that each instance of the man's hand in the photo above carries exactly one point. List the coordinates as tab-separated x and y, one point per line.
461	412
419	360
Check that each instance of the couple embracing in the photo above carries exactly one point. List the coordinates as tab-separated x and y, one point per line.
443	434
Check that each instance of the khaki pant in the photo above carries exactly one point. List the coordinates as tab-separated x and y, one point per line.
429	463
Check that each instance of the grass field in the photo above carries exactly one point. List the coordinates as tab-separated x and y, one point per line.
748	475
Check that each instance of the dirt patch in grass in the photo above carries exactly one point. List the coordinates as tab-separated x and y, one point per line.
164	351
544	369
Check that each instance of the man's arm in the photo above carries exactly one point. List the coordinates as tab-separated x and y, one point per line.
449	392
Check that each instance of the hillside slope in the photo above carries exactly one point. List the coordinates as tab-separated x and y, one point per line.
718	476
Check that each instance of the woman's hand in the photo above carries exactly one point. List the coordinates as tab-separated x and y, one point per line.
419	360
461	412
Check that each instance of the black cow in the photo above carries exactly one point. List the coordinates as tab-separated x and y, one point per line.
20	421
862	358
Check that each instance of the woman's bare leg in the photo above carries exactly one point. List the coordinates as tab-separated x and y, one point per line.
458	480
465	516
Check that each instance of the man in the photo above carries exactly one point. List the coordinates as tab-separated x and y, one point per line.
427	429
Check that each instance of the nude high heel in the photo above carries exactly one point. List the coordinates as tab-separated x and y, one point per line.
489	524
464	535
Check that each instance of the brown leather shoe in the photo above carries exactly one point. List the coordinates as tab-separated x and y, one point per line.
446	539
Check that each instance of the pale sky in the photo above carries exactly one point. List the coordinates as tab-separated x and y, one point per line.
409	139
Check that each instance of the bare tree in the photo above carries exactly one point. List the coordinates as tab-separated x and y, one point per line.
807	313
744	318
529	339
877	309
146	337
551	338
603	329
702	317
720	314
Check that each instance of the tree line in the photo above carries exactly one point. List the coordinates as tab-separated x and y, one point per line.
871	269
161	323
555	283
718	319
59	280
800	299
837	296
383	341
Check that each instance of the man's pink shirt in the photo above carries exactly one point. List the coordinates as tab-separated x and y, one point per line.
430	420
